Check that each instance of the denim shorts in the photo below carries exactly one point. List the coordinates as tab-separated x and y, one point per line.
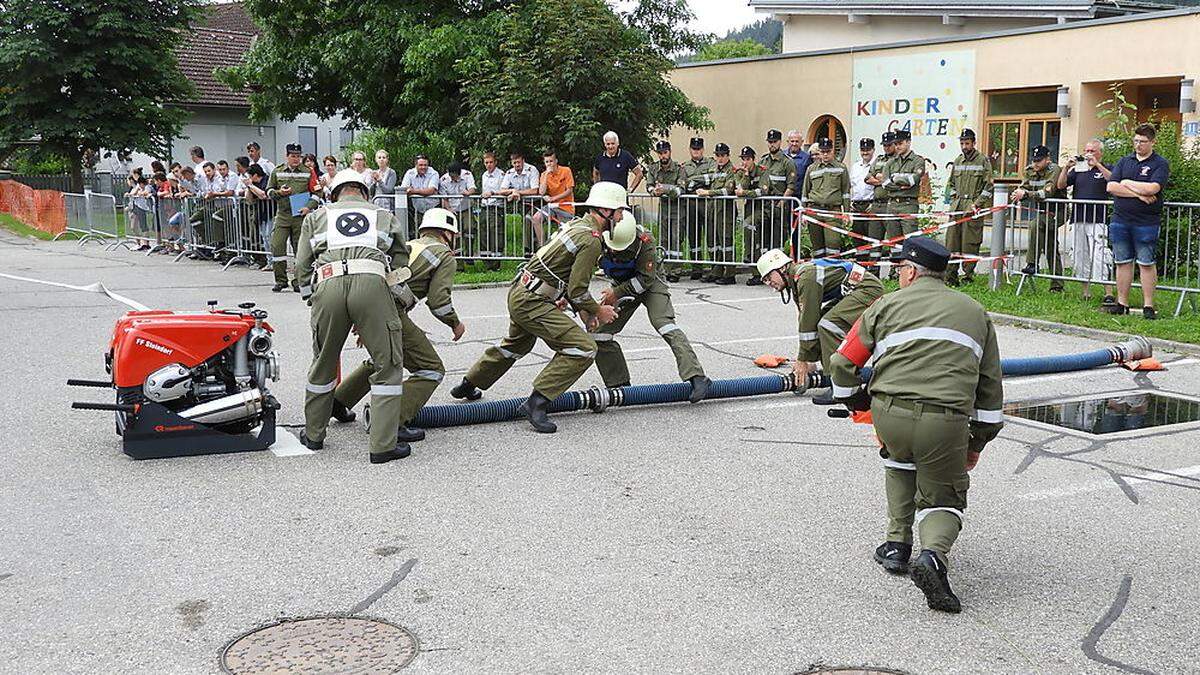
1133	241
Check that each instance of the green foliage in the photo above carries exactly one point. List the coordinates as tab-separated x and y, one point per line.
402	146
1183	156
37	161
15	226
731	49
84	75
765	32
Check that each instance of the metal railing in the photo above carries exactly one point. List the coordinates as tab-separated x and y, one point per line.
91	216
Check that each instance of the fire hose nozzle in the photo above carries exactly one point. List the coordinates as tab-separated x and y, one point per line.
1133	349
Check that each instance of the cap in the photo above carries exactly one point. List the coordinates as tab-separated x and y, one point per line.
825	144
721	149
866	144
662	146
888	137
774	135
749	152
966	135
902	135
696	143
1039	152
925	252
294	149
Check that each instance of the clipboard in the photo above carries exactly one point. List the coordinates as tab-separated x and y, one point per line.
298	202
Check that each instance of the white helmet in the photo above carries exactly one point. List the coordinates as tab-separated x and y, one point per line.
347	177
439	219
607	195
772	260
622	235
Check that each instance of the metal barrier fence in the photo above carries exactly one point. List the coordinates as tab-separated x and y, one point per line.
92	216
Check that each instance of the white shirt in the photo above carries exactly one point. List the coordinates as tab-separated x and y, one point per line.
239	187
528	179
465	183
492	180
267	165
431	179
859	189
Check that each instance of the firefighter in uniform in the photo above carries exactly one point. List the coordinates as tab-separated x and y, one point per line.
722	217
826	188
347	250
558	274
1037	185
628	262
747	179
935	398
877	228
431	265
778	180
288	179
697	175
970	190
902	176
830	295
664	179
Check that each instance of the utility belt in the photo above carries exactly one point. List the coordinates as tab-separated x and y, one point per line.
540	287
919	407
395	279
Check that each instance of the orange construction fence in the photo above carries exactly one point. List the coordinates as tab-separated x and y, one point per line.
41	209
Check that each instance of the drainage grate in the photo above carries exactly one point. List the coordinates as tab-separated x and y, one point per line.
1114	413
321	644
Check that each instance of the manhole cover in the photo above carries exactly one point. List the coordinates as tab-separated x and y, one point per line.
321	645
1114	413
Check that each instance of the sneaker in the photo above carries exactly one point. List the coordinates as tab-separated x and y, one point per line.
1108	301
893	556
1115	308
1029	270
929	574
1149	314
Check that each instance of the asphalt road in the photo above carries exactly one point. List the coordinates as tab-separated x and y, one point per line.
730	536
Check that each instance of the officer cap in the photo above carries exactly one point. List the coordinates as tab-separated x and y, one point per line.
902	135
1040	152
662	146
748	152
825	144
866	144
966	135
926	252
774	135
294	149
888	138
721	149
696	143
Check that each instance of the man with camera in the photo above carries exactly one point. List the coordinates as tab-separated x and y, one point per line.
1087	176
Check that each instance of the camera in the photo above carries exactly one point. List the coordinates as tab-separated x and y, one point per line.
1080	158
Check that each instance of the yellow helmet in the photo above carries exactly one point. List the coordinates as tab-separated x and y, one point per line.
622	235
771	261
439	219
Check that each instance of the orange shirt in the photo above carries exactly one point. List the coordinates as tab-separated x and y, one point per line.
560	181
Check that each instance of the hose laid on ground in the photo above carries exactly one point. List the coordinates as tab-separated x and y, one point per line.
598	399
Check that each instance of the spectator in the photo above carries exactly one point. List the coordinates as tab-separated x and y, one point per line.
384	179
1090	254
188	185
458	181
419	183
795	152
358	162
255	153
197	154
204	215
557	184
310	162
326	179
520	181
260	212
241	165
1136	185
862	193
615	163
491	214
176	170
138	199
157	167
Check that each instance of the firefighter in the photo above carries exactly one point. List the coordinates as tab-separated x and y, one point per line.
347	250
1037	185
722	217
830	295
935	398
778	180
877	228
558	275
287	180
970	191
826	188
628	262
902	176
664	179
698	174
746	180
431	263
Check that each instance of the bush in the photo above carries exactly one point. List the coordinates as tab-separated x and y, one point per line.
402	147
1184	157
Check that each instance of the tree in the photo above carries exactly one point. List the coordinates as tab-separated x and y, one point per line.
91	74
731	49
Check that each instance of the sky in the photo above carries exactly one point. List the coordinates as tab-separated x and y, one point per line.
722	16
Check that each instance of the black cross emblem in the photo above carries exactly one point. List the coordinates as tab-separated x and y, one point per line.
352	224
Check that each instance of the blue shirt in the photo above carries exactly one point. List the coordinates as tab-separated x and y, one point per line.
802	160
1088	185
616	169
1133	211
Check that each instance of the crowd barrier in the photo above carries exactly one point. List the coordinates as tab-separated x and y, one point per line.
91	216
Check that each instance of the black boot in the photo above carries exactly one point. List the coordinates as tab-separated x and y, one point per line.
311	445
672	277
700	387
893	556
535	408
1029	270
296	286
466	390
278	288
929	574
696	275
408	434
725	281
399	452
754	280
824	398
341	413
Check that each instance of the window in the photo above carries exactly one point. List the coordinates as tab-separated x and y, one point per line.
1016	122
308	139
828	126
346	138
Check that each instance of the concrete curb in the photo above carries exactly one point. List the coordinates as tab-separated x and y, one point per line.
1093	333
482	284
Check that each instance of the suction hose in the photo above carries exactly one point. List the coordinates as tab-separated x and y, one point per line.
598	399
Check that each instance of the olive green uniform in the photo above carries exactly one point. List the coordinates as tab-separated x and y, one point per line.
936	393
902	177
697	175
432	265
670	178
287	226
877	228
346	249
773	218
560	269
970	187
749	181
830	296
722	220
636	282
826	187
1043	231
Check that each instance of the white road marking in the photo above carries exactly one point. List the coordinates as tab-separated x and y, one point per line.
288	444
1093	486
